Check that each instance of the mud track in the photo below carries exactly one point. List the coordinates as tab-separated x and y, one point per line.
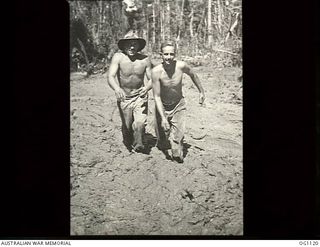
115	192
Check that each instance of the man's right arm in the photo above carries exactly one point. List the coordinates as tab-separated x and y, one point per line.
157	99
114	67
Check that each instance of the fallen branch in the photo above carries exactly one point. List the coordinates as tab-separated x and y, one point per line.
229	52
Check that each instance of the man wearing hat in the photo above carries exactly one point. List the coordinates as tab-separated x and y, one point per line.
126	78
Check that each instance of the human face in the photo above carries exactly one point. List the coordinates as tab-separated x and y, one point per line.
168	54
131	48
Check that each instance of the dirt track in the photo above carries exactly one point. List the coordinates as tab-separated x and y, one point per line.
114	192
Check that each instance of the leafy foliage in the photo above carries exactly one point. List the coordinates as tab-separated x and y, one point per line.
98	25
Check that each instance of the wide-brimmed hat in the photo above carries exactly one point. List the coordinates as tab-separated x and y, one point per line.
131	36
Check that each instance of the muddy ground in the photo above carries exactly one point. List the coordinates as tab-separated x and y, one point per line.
115	192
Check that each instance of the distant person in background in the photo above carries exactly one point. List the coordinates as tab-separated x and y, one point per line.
126	78
170	103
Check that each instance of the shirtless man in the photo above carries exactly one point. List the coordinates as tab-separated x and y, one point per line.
170	103
126	78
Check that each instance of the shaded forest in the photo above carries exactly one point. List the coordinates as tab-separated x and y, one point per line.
205	31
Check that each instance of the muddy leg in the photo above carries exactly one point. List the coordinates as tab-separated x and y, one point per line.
138	132
177	150
177	134
139	124
162	142
127	119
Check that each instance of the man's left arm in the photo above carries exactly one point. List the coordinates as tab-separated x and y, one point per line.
195	79
148	85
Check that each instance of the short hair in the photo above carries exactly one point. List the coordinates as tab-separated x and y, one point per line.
168	43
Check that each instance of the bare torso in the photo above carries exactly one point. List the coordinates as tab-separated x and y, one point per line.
131	73
170	84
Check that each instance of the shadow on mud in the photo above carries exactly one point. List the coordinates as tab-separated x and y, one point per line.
186	146
149	142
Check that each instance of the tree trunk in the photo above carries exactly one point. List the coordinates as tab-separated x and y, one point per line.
161	21
153	23
193	42
95	25
181	14
210	37
145	28
219	16
158	23
191	24
232	26
101	14
168	26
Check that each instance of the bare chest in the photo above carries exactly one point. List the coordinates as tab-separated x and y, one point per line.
171	80
128	68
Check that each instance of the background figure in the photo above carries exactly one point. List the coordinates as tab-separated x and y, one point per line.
126	78
170	103
132	16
